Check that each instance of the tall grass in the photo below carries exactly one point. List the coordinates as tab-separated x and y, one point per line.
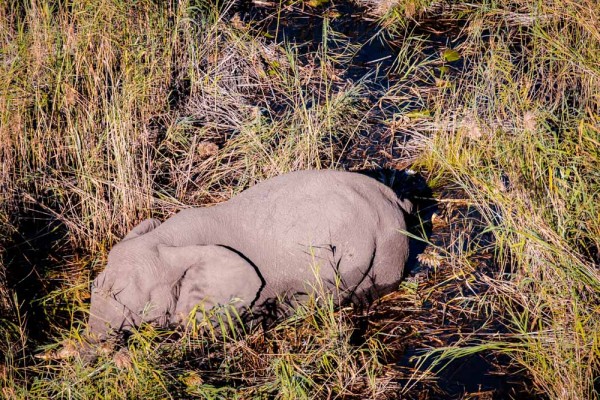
308	355
519	132
107	107
80	88
112	112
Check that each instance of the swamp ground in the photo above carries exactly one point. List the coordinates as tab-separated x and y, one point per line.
115	111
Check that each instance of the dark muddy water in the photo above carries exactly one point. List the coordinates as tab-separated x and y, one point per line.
32	254
305	28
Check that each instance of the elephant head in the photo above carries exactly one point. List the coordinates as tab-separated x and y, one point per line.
147	281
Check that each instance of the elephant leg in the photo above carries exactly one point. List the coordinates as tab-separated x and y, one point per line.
382	273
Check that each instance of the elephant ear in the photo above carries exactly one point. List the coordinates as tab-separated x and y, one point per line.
211	275
142	228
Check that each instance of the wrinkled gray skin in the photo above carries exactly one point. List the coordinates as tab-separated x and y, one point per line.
270	240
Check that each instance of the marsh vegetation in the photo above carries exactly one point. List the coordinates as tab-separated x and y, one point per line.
114	111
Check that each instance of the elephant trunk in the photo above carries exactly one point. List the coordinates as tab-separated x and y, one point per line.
107	315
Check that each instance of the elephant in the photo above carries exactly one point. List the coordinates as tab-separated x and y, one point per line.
271	241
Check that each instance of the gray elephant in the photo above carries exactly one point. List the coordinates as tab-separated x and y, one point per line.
271	241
